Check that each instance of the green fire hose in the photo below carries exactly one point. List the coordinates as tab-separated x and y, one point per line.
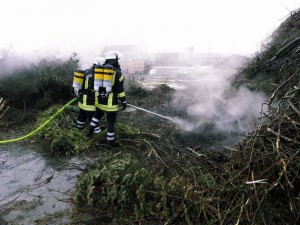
43	125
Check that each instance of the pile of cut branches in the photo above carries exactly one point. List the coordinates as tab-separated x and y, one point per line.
269	159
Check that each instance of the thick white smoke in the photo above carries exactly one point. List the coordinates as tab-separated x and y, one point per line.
212	103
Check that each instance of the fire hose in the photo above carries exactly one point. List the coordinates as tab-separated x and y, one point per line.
41	126
61	110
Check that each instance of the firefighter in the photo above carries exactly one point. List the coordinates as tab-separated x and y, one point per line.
84	90
108	84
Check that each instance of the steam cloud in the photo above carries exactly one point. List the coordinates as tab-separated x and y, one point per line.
212	103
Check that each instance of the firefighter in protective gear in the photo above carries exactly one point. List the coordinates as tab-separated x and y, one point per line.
86	95
109	92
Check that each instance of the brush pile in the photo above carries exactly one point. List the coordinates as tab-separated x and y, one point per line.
269	158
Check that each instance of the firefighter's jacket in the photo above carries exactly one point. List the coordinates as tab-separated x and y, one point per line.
109	103
86	99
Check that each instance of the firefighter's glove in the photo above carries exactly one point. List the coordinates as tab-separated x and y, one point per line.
124	105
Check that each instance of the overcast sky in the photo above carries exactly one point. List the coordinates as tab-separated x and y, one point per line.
226	26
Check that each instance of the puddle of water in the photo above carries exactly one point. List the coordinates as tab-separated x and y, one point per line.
33	185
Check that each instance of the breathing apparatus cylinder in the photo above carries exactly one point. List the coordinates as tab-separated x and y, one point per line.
78	79
103	79
98	77
108	78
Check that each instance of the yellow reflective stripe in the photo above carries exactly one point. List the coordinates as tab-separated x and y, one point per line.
110	100
86	107
113	80
84	99
86	84
96	98
122	94
121	78
108	109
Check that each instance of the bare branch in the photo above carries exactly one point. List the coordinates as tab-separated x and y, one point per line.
283	137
